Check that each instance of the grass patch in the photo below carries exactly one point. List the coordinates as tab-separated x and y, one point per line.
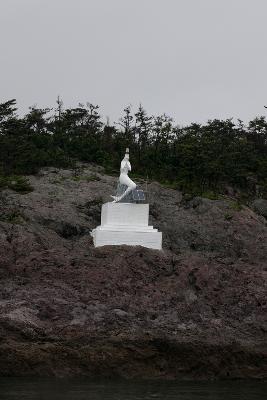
170	185
86	178
19	184
211	195
236	206
13	217
228	217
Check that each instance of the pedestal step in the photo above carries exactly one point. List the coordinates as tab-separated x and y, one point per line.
150	238
125	228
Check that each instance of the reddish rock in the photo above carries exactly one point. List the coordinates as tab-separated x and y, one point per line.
195	310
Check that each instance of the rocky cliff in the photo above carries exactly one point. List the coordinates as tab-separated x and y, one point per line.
195	310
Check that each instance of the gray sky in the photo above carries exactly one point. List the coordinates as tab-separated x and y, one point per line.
193	59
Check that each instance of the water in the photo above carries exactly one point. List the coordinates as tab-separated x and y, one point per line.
52	389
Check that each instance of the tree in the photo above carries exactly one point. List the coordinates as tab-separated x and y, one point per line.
7	111
126	122
143	125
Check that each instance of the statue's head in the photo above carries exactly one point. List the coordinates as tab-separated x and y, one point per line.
126	157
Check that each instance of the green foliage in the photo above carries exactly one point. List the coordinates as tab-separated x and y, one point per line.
236	206
198	159
13	217
3	182
209	194
19	184
169	184
87	178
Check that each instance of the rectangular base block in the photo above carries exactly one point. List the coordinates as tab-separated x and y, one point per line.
124	214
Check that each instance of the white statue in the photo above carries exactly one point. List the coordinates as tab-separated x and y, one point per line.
124	178
126	221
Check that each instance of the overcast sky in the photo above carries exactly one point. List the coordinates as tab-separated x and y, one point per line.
192	59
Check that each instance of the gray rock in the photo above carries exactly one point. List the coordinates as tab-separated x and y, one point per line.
260	207
197	309
120	313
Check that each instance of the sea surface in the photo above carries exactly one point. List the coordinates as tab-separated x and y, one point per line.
84	389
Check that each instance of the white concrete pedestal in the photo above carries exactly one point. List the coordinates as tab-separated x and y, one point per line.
126	223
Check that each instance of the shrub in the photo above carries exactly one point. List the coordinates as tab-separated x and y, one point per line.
210	195
236	206
17	183
13	217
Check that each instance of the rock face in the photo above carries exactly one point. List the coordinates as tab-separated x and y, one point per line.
195	310
260	207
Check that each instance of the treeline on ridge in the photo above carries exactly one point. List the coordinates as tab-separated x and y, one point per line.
195	158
